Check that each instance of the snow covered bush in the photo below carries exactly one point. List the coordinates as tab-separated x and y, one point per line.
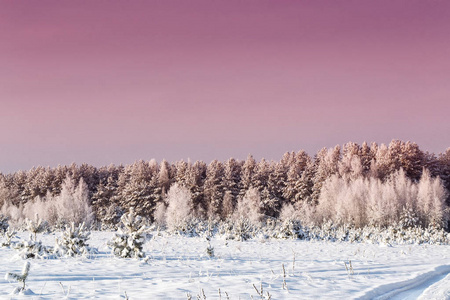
240	229
73	241
8	235
32	249
289	229
129	240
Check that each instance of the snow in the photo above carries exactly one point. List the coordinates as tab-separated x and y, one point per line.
178	265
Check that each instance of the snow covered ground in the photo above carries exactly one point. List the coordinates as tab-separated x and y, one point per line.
179	265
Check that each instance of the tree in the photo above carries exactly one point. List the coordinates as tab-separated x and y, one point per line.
129	240
73	203
326	163
249	207
179	206
231	179
214	188
431	201
247	173
105	202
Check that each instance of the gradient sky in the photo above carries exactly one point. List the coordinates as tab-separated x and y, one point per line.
103	82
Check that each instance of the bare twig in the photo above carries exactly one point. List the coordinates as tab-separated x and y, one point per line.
284	278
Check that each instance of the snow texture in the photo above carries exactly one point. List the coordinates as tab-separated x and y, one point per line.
177	265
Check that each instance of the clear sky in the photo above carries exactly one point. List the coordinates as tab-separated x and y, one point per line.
103	82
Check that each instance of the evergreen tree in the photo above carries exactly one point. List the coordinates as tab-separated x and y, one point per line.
247	173
214	188
196	177
231	179
73	241
104	202
129	240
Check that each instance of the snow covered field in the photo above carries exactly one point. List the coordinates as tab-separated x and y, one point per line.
179	265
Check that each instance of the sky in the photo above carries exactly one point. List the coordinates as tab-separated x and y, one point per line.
103	82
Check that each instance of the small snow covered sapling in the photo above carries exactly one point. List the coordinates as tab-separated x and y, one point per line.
36	226
33	248
21	278
209	248
73	241
9	234
130	237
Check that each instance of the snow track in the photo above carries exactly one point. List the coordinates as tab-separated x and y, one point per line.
431	285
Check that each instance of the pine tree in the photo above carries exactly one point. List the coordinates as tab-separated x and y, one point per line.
104	202
276	183
231	179
247	173
130	238
326	165
3	224
214	188
196	177
73	241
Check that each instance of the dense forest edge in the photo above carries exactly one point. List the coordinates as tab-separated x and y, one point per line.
352	185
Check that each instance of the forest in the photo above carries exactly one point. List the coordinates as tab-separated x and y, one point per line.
357	185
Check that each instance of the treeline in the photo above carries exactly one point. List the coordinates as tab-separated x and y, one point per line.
351	184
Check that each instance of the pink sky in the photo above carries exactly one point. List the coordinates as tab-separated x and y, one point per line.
115	81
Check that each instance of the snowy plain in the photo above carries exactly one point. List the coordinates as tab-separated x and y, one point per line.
177	266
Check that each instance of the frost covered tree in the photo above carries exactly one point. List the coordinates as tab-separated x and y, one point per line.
73	204
249	207
365	201
179	209
129	240
326	162
228	205
431	201
181	172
